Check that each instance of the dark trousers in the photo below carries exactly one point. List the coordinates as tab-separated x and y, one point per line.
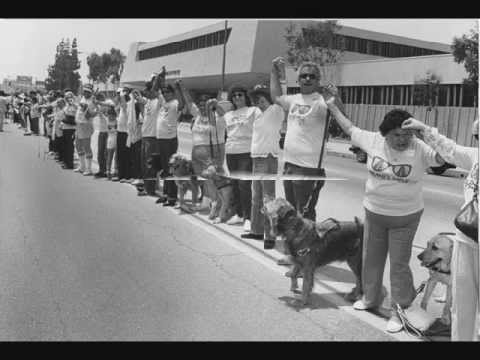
149	147
123	156
102	151
34	125
168	147
297	192
68	148
136	159
59	147
242	189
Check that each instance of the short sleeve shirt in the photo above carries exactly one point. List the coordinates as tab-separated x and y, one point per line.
395	178
240	129
167	120
306	119
149	126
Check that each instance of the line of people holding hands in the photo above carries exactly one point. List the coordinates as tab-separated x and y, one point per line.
246	133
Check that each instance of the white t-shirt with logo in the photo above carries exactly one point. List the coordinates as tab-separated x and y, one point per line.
266	132
167	120
149	126
240	129
395	178
305	128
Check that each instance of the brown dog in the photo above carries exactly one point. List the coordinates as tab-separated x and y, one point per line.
181	166
222	207
436	257
312	245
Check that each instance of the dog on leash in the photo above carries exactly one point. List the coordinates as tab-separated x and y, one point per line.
312	245
222	207
181	166
436	257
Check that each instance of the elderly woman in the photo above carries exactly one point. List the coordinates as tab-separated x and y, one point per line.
464	263
264	152
397	162
239	122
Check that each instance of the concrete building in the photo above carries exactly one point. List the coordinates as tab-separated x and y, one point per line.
197	56
377	71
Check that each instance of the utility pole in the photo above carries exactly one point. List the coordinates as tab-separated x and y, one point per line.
224	56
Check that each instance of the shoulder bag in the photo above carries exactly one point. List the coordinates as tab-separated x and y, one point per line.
467	219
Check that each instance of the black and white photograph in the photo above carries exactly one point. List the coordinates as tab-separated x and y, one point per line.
239	180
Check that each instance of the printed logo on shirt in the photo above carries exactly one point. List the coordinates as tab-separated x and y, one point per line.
381	166
299	113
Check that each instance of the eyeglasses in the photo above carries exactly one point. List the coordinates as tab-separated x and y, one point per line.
305	76
400	170
238	95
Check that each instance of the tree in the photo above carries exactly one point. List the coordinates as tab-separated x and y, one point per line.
426	90
465	50
317	42
96	70
105	67
64	72
117	59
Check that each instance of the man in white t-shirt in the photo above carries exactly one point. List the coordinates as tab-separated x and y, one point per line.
305	135
167	141
153	101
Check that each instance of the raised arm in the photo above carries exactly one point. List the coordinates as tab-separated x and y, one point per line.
333	102
159	82
180	94
278	68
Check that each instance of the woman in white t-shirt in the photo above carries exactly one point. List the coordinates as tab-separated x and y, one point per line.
239	122
396	164
464	263
208	139
264	152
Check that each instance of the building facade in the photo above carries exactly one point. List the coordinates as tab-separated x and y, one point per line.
376	69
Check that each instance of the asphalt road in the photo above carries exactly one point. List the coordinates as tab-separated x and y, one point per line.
85	259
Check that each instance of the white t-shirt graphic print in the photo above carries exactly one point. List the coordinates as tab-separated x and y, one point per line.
305	128
395	178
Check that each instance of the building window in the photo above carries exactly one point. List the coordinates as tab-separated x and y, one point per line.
199	42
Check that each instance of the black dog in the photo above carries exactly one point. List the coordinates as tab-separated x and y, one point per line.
312	245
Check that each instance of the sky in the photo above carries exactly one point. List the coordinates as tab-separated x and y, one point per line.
27	46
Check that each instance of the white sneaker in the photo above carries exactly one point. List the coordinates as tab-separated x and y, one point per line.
394	325
235	220
87	173
360	305
78	170
137	182
246	225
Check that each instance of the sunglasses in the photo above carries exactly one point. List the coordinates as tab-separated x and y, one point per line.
400	170
238	95
305	76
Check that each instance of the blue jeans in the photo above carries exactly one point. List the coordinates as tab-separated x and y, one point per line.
297	192
262	190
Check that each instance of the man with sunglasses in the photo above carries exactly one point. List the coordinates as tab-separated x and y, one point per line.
397	163
305	135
